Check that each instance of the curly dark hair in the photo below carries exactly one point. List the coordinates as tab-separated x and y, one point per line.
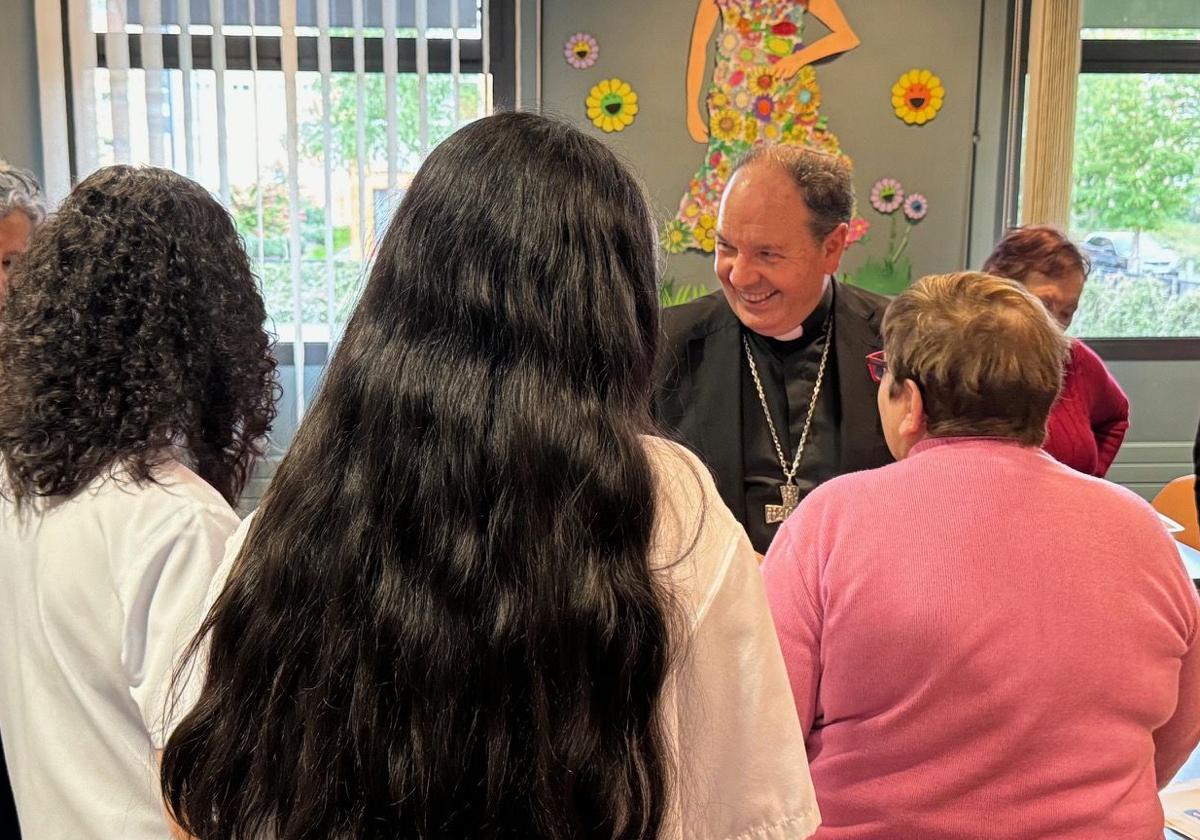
133	325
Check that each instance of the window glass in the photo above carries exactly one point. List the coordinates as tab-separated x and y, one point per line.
1136	203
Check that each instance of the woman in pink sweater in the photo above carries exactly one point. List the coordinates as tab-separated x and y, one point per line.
982	642
1090	419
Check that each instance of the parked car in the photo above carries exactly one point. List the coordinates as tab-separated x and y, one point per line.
1124	252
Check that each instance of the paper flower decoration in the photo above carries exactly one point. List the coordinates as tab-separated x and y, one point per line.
915	207
892	272
917	96
612	105
808	100
763	82
581	50
706	233
764	106
727	125
858	229
887	195
677	237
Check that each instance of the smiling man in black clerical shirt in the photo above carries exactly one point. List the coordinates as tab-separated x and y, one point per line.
767	380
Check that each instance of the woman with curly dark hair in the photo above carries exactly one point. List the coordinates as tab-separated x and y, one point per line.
137	388
479	601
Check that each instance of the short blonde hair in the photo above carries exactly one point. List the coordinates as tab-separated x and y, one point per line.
984	352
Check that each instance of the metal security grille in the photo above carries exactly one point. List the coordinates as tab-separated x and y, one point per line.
306	117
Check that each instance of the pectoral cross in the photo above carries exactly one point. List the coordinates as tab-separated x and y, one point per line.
790	495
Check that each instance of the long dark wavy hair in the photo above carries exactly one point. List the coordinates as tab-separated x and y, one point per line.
133	325
443	623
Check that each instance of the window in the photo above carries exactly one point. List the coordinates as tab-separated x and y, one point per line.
1135	205
307	118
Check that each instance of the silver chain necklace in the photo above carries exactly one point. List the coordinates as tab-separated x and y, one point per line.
789	493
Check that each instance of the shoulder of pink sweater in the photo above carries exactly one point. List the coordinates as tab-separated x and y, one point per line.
842	495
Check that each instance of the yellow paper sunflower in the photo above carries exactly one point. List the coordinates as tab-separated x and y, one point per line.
676	237
706	232
917	96
727	125
808	98
612	105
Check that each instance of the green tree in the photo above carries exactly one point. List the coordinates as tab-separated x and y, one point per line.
275	233
1137	150
343	95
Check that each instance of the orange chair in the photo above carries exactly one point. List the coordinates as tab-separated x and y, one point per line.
1178	501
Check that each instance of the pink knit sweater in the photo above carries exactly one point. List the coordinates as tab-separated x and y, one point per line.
983	643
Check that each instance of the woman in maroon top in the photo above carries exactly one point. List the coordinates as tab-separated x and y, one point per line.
1089	421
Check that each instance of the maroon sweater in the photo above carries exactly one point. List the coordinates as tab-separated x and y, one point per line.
1089	421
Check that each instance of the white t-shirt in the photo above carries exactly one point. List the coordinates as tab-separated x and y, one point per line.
728	709
98	593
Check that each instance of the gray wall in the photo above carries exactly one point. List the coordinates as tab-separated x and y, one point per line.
20	129
1165	403
646	44
957	160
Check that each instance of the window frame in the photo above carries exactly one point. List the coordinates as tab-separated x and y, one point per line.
268	50
1108	56
502	61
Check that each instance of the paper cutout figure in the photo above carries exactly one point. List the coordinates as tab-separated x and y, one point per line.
581	51
764	90
917	96
612	105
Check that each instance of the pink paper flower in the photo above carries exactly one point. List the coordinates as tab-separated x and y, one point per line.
887	195
581	50
858	229
915	207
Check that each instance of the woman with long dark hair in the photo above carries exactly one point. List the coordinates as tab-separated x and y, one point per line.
136	390
478	600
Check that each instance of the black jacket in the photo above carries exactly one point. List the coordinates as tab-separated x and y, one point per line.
1196	468
698	379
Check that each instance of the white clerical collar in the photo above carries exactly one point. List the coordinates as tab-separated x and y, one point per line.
791	336
825	304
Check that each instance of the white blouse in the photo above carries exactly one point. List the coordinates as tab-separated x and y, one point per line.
99	592
742	770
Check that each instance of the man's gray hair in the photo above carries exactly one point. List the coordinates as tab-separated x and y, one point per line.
825	181
19	190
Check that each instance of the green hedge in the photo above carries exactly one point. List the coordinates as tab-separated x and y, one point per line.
1134	308
1119	308
277	290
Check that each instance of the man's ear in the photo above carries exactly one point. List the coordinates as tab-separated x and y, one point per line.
833	246
913	425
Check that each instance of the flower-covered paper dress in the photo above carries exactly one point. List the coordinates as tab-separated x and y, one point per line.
749	105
